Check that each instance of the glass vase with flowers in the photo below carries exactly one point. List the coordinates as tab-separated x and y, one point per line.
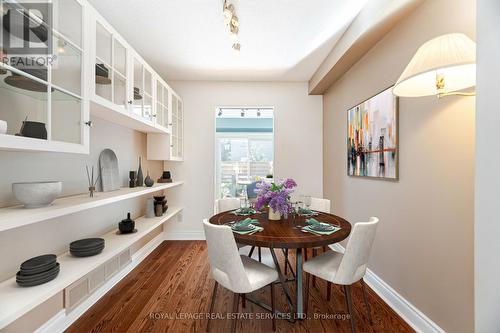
276	196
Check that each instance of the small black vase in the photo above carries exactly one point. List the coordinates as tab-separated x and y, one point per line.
148	181
140	176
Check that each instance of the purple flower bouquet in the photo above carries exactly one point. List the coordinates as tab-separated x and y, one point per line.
276	196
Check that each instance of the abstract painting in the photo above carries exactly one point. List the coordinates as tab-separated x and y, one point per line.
372	137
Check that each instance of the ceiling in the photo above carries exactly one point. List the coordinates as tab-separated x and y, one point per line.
281	40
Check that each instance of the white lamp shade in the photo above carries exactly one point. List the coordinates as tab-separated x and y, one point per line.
453	56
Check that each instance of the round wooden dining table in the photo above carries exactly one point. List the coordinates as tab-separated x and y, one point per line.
287	234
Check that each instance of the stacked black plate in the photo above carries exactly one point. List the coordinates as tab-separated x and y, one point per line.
38	270
86	247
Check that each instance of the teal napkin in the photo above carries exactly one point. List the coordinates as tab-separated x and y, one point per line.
306	212
244	211
322	232
245	232
314	222
246	221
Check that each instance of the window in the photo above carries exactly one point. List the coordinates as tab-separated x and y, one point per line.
244	149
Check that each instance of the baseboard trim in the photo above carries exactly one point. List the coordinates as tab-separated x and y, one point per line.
194	235
61	321
413	316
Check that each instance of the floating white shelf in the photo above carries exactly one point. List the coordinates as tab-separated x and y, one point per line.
16	301
17	216
104	109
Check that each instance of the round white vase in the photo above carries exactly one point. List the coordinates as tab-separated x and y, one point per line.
3	127
274	216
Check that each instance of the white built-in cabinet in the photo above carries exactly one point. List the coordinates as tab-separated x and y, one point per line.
51	95
96	73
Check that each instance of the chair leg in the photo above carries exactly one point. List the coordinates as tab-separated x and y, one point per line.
251	251
366	302
348	299
306	301
305	254
236	300
260	255
315	253
324	249
273	318
286	259
328	291
214	293
243	301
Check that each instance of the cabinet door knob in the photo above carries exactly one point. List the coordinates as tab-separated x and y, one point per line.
129	102
89	123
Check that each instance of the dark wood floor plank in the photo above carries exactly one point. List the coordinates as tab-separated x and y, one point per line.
174	281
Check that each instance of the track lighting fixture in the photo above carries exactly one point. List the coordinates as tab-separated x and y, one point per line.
232	22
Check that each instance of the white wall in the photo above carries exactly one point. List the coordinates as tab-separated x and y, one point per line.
487	187
424	247
298	140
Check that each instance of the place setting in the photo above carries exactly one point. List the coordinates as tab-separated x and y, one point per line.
316	227
247	226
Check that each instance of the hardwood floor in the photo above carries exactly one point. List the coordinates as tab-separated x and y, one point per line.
170	291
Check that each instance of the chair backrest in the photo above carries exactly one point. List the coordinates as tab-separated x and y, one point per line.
322	205
222	205
251	190
225	262
357	252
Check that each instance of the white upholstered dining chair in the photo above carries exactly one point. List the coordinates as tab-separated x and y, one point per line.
320	204
225	204
348	267
237	273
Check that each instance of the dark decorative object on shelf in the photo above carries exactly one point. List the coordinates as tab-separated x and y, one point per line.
140	176
14	22
127	225
160	205
102	74
92	182
110	176
38	270
137	94
86	247
148	181
132	179
166	177
33	129
21	82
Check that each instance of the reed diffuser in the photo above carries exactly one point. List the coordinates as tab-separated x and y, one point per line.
90	178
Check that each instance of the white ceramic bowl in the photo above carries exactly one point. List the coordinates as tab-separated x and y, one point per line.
36	194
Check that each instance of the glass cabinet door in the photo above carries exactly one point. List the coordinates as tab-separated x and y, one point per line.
162	102
142	91
138	88
45	101
103	75
174	126
110	67
148	96
119	73
179	129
